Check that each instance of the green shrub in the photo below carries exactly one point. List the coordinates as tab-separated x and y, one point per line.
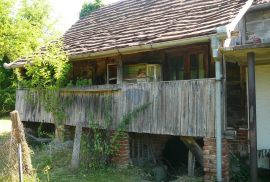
238	169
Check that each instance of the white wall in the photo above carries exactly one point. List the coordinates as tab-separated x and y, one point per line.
263	110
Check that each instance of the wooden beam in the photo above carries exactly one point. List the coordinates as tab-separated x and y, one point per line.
193	147
119	70
252	115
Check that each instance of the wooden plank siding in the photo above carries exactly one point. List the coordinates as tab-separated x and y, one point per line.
175	107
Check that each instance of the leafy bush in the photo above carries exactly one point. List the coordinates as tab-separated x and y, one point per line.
7	100
238	169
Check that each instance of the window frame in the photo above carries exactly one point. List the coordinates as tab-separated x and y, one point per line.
186	52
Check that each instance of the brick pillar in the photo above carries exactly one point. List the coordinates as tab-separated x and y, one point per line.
122	157
209	155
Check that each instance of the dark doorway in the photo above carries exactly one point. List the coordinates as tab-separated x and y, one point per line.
175	156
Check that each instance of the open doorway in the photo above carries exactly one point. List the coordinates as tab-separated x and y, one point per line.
175	157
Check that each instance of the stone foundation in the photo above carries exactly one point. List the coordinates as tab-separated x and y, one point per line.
209	154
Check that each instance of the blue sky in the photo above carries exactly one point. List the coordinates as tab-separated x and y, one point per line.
67	12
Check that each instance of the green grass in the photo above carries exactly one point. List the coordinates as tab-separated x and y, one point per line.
55	167
64	174
5	127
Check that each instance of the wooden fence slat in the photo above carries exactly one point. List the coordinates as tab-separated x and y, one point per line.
176	107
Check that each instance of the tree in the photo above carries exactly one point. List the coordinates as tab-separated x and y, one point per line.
87	8
25	25
7	88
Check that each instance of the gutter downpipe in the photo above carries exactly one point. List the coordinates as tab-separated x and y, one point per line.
223	33
216	55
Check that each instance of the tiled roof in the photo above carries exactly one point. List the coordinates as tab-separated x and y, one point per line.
138	22
130	23
257	2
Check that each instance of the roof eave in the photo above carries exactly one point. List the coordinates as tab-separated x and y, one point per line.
141	48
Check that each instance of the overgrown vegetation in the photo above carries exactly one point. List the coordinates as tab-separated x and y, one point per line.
52	165
46	69
100	146
239	171
45	74
25	25
87	8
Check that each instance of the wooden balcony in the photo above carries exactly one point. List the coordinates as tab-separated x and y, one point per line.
184	108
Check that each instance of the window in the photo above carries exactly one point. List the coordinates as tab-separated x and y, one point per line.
186	65
112	74
196	66
176	67
83	70
142	72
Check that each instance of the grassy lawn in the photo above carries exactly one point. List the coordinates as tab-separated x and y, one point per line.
5	127
56	168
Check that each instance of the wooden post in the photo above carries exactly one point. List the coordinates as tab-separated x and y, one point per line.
119	70
20	162
18	133
76	147
252	115
191	163
193	147
59	132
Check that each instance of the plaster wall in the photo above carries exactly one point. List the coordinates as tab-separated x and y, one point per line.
263	110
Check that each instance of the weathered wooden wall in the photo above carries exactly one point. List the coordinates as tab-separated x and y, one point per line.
176	107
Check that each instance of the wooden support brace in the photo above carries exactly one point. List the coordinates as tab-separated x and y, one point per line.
193	147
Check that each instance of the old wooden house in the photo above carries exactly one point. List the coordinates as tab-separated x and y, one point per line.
193	61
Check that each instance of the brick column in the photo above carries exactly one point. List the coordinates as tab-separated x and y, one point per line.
209	155
122	157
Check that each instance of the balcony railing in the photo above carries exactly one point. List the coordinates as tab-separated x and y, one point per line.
175	107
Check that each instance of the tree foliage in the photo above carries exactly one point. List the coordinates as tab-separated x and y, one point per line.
47	69
87	8
25	25
7	88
